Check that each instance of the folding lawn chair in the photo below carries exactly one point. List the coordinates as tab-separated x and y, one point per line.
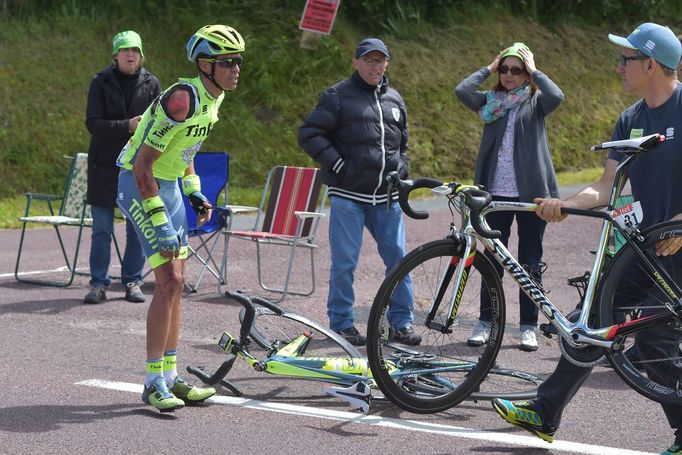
213	169
289	213
73	211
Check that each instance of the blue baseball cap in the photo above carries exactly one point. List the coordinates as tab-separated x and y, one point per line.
368	45
654	41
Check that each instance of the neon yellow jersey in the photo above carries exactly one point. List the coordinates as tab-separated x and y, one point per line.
178	142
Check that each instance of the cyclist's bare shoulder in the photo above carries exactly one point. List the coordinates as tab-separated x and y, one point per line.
177	104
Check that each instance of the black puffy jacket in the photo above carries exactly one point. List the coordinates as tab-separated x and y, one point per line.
107	121
366	126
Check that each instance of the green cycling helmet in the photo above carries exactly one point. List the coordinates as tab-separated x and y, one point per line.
213	40
124	40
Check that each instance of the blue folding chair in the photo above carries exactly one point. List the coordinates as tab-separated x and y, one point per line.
213	169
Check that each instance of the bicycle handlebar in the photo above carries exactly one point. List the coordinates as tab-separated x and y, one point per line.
404	188
249	313
218	377
477	200
474	197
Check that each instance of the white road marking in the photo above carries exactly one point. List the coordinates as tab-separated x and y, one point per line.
410	425
36	272
39	272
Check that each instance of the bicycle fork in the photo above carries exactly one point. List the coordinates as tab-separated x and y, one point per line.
459	266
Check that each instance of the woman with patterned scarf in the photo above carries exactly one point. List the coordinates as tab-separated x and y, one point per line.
514	164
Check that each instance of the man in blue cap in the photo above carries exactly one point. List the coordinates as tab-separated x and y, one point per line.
358	134
648	62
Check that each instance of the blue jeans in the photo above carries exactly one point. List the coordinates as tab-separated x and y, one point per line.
100	249
531	230
347	220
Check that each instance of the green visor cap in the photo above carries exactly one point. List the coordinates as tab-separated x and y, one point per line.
514	50
124	40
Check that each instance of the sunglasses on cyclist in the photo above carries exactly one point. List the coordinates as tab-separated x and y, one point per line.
228	62
516	71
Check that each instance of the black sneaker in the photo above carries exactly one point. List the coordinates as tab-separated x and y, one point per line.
97	294
352	335
134	292
406	335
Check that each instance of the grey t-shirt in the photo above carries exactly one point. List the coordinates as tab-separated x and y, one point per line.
656	176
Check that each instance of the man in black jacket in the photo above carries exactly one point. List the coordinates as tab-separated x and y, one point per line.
358	134
118	96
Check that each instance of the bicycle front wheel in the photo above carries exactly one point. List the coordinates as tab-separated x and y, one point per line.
508	385
648	360
443	370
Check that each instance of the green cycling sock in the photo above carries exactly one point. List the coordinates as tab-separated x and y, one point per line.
170	371
154	370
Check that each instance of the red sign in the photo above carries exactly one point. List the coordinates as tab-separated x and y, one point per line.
318	15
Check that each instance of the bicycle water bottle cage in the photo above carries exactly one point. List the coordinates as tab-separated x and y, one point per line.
580	283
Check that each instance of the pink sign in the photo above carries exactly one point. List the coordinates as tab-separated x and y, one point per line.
318	16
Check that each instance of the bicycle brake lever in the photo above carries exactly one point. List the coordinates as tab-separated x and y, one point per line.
393	181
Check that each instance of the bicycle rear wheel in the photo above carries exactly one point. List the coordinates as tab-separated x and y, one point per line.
443	370
630	292
274	327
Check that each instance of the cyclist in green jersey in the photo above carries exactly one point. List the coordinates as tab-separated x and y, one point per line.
162	149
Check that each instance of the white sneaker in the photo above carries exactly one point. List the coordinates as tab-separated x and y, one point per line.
480	335
529	341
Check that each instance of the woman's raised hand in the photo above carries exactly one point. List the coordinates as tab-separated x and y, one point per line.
494	64
528	60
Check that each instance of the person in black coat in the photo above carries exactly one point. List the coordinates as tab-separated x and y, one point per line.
118	96
357	133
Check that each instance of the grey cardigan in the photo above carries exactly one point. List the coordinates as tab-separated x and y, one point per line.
533	166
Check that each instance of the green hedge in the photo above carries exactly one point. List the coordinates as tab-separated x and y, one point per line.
51	49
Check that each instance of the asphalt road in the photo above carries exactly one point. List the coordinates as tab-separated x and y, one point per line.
71	373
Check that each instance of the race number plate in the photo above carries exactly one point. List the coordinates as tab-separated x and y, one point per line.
629	215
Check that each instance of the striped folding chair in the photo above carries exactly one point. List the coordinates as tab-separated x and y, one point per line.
288	216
